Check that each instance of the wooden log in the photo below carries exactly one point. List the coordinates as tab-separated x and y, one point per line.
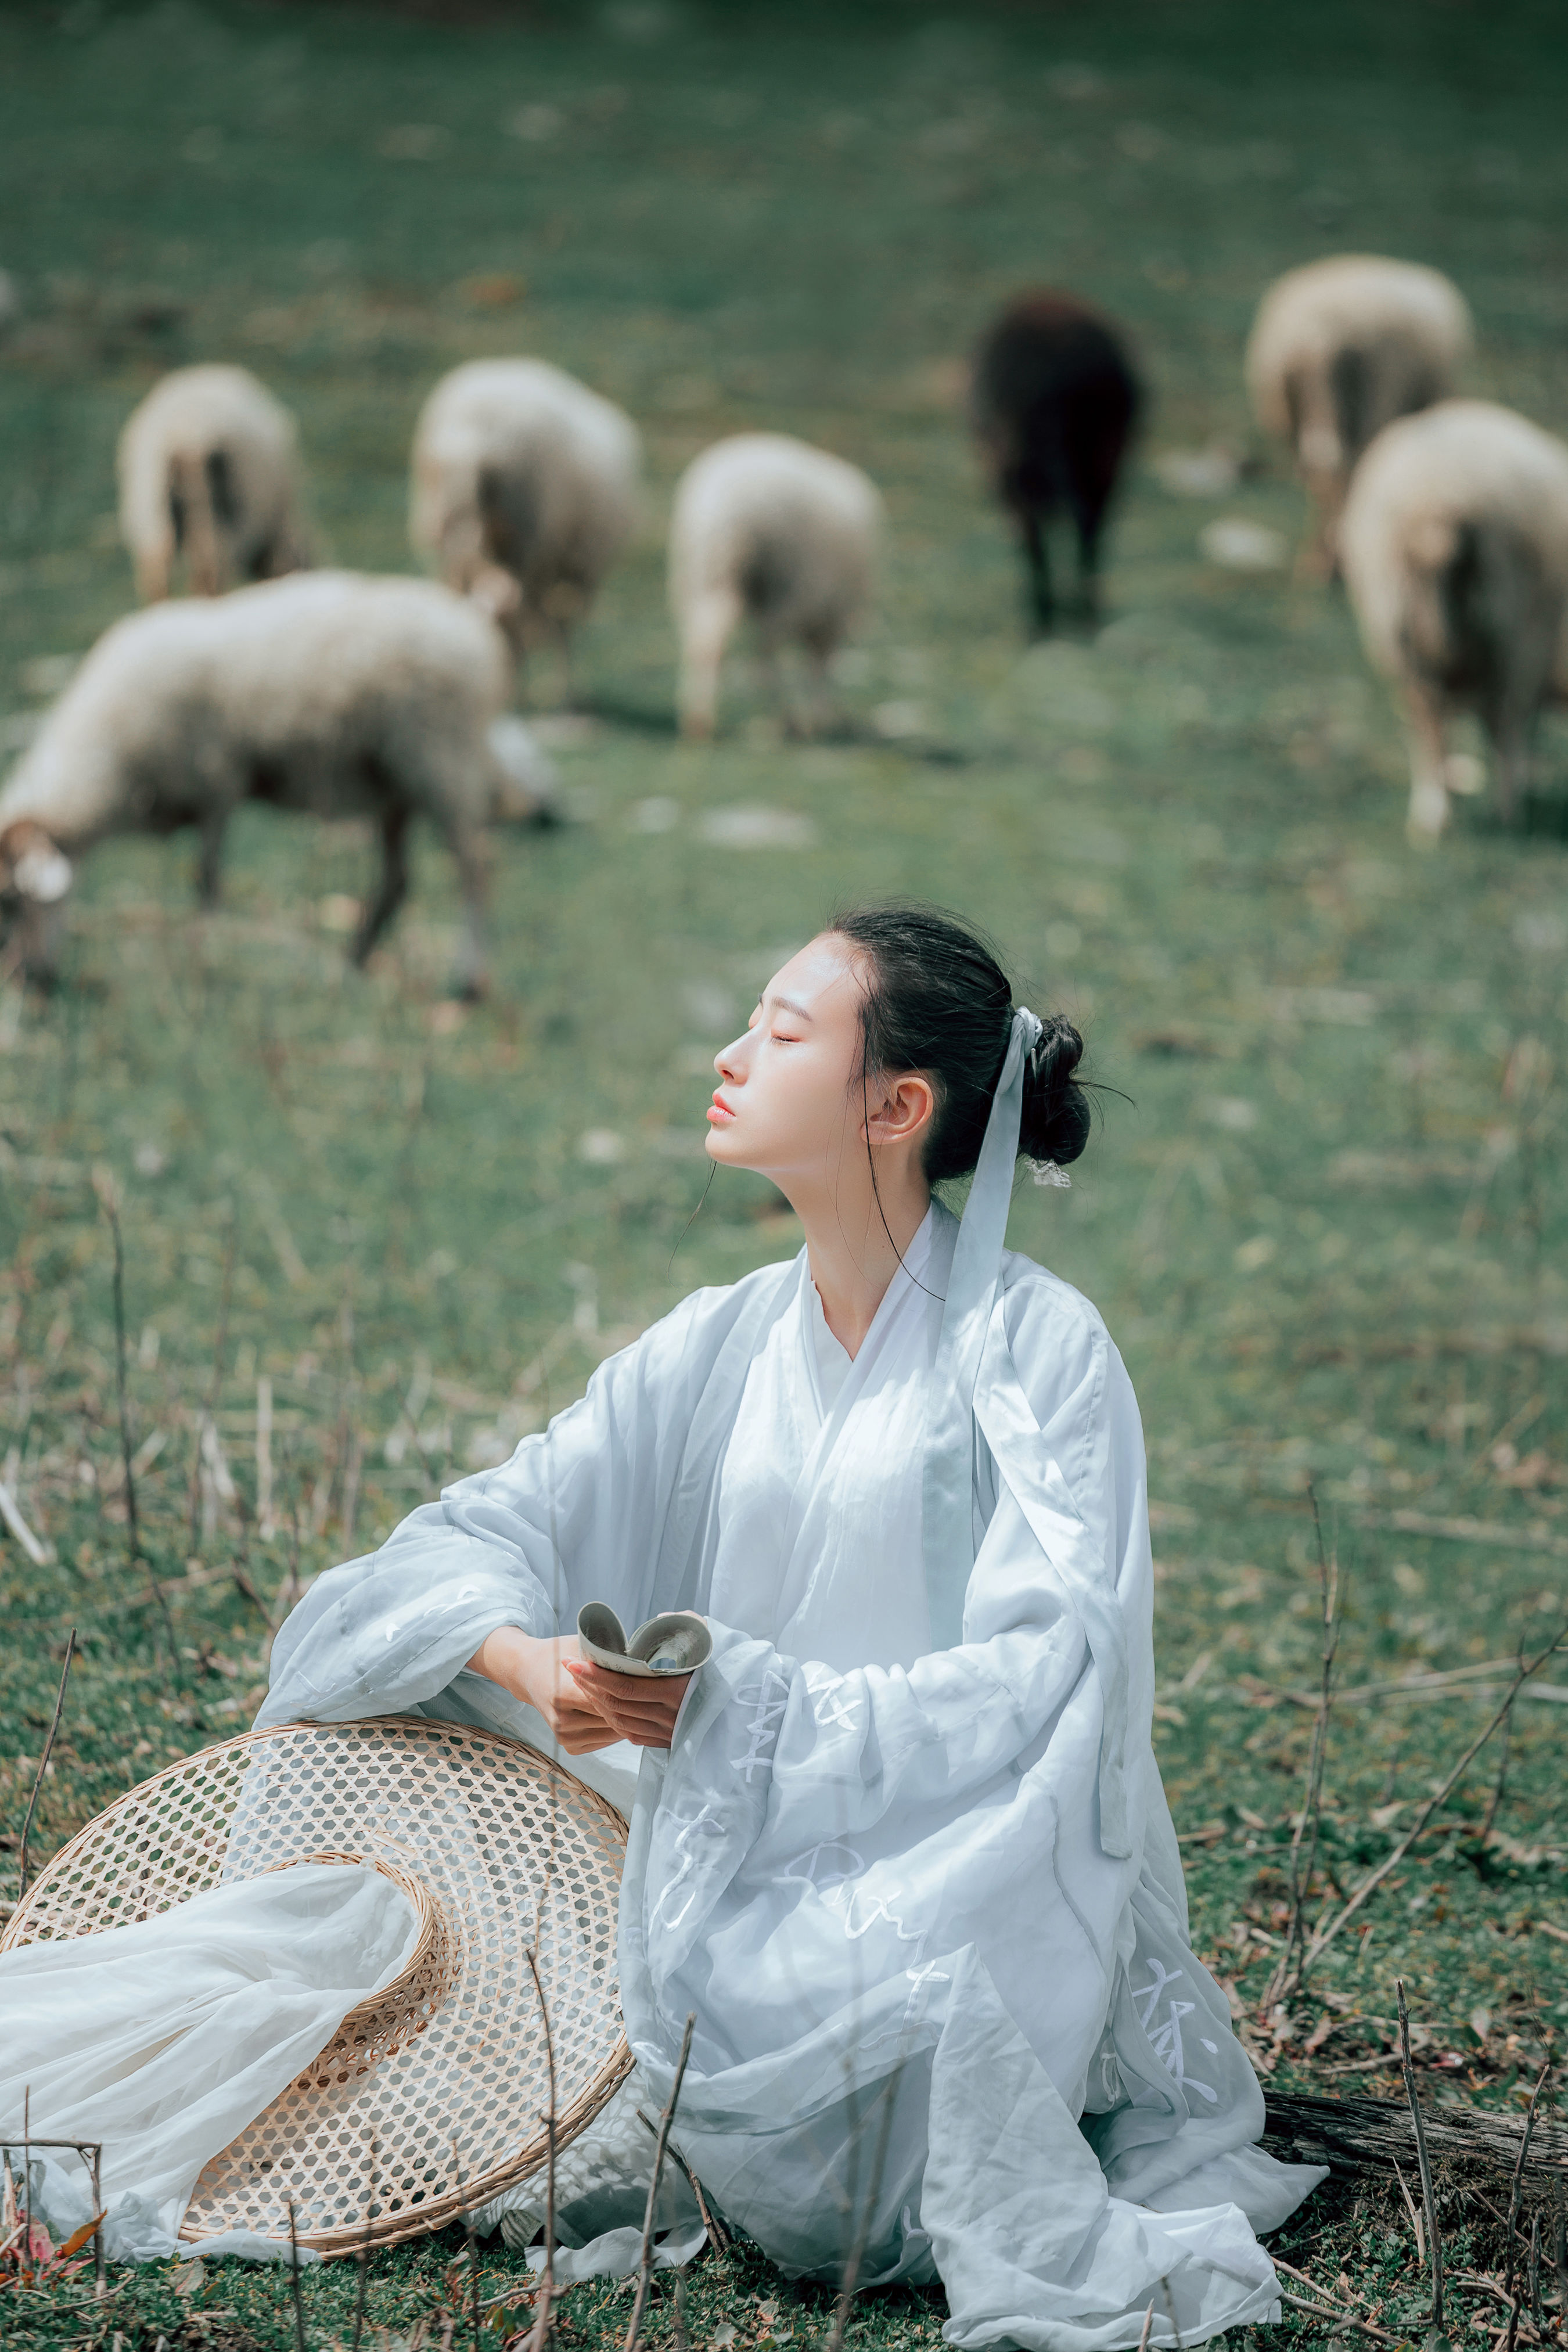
1367	2136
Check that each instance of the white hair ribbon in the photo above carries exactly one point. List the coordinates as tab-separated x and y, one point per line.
1012	1432
948	1508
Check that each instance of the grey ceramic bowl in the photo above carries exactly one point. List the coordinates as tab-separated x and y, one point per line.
677	1643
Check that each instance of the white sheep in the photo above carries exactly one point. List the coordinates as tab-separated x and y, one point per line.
209	467
329	693
1455	545
524	492
1339	350
769	529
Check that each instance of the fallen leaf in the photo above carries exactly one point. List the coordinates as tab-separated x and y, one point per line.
78	2238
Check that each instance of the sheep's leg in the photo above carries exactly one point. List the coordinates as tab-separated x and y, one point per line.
706	626
778	687
393	887
1509	728
153	566
470	976
564	654
1320	559
209	860
1088	565
1037	558
825	708
1428	763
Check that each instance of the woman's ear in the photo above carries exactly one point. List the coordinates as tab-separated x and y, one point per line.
901	1112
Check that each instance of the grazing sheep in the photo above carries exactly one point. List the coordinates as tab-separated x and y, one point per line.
34	879
1455	544
768	529
1339	350
524	492
209	468
329	693
1054	403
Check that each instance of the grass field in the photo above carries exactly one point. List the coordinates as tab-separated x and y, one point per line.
1326	1226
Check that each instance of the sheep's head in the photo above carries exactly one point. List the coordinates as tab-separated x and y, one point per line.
35	877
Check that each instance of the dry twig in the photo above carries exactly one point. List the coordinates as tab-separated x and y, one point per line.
1415	2229
44	1765
645	2268
1500	1783
1375	1879
294	2280
112	1211
1427	2198
466	2218
1289	1974
365	2252
841	2309
1513	2201
717	2236
539	2334
1340	2317
220	1343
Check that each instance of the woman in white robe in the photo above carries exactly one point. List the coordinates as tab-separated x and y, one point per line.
901	1844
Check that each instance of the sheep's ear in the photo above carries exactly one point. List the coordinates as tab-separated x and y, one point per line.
495	592
1432	541
41	873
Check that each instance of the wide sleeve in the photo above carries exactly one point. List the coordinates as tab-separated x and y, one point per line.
850	1827
576	1515
1065	1554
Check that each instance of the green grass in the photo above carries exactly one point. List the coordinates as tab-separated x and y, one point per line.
1328	1228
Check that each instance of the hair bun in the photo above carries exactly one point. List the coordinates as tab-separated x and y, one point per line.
1054	1124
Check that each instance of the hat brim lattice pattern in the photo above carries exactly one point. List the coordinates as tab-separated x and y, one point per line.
433	2097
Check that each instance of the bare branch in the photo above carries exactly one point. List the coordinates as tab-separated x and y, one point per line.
112	1211
1513	2203
294	2281
1375	1879
364	2250
719	2237
1291	1974
44	1765
539	2334
1500	1783
645	2268
1427	2198
841	2309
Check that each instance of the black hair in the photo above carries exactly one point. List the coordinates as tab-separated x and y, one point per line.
936	999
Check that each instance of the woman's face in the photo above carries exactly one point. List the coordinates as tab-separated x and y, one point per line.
788	1102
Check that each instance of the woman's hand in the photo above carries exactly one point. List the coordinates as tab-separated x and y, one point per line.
643	1708
585	1707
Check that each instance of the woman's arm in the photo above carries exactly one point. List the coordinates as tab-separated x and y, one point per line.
577	1514
511	1548
585	1705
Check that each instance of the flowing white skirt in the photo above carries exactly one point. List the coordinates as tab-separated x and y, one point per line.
162	2040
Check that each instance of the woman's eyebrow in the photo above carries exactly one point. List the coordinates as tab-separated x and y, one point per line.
788	1004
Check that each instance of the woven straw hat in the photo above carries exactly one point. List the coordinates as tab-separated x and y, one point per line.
432	2097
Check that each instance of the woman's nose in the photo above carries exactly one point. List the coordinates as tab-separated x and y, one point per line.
727	1060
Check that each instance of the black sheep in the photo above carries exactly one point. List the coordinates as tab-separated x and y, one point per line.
1054	404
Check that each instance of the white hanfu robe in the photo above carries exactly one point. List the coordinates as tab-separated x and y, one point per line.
907	1858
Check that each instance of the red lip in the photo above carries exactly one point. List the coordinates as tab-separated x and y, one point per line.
718	1109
